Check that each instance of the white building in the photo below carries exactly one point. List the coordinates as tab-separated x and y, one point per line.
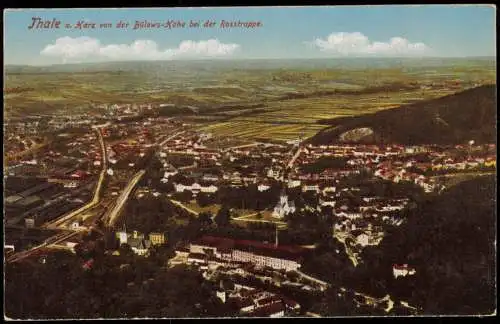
221	295
239	255
311	187
293	183
273	173
210	177
329	189
263	187
402	270
363	239
284	207
327	202
195	187
348	215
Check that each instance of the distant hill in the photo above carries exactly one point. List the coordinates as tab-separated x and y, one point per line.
264	64
455	118
450	241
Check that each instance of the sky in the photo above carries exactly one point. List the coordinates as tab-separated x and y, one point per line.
266	33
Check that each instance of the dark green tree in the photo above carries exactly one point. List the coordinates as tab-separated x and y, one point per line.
223	217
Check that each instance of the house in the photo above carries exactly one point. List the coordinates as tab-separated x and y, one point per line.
182	252
490	162
221	295
310	187
363	239
169	172
273	173
139	246
291	305
402	270
195	187
136	241
210	177
244	251
246	305
157	238
250	179
198	258
266	299
329	189
327	202
272	310
343	214
88	264
263	187
293	183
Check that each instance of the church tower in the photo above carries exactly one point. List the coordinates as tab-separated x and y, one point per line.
283	199
122	235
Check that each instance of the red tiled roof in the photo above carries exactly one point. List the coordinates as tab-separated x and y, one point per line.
269	310
290	302
401	266
269	300
88	264
218	241
79	174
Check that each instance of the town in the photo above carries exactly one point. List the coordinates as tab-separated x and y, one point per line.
97	168
280	162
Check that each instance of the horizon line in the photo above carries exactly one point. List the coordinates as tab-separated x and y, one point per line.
261	59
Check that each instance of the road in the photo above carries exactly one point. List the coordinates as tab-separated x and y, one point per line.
313	314
179	204
375	302
171	137
187	167
245	216
240	219
320	282
112	216
250	145
241	146
97	192
350	253
104	167
371	301
295	156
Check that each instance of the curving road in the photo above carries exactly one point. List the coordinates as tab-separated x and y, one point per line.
181	205
295	156
171	137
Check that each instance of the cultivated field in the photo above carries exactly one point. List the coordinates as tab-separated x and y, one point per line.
254	100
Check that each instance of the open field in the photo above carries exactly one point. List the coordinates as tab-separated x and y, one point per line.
194	206
247	100
287	120
251	129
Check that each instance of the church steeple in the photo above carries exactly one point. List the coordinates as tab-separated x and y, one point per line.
123	235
